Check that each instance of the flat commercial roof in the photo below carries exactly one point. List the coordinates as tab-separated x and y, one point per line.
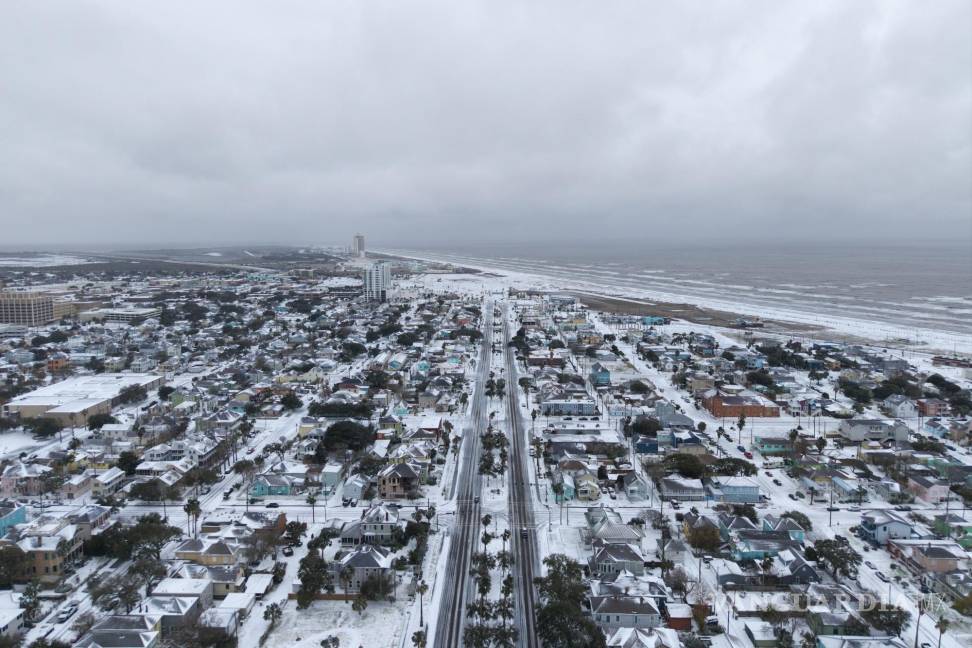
79	392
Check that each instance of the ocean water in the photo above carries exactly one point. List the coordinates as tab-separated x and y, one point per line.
922	286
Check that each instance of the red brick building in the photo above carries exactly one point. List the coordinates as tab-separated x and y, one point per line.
749	405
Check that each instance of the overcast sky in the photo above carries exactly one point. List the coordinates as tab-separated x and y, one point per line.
240	122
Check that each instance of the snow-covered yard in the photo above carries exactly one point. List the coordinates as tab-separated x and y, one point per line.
379	626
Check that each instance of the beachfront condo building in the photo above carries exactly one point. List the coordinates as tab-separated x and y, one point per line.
377	281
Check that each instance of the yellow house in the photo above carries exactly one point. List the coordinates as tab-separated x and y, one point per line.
206	552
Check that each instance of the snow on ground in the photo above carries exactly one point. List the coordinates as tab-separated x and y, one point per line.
341	282
42	261
14	442
379	626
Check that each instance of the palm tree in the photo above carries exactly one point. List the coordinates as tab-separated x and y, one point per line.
345	576
766	565
248	469
312	500
194	510
922	607
421	588
941	626
525	386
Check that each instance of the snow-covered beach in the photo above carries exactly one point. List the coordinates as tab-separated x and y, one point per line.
882	333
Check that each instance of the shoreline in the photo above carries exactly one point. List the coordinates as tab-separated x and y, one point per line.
712	313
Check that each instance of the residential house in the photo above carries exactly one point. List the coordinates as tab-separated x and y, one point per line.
859	430
789	525
124	631
899	406
618	611
49	545
791	568
879	526
355	487
936	559
599	375
735	490
682	489
21	478
610	558
90	521
633	486
379	525
225	579
11	513
640	638
268	485
605	526
928	489
363	562
198	588
398	481
773	446
77	486
930	407
730	523
562	485
207	551
108	483
586	487
175	612
757	545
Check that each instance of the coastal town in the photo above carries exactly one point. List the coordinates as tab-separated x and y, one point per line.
340	447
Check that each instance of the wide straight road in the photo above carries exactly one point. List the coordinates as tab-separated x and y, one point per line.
524	529
465	530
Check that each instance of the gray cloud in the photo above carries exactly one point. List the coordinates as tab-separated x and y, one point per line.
303	122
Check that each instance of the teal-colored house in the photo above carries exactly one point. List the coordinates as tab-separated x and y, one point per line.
769	446
567	488
266	485
11	513
791	526
600	376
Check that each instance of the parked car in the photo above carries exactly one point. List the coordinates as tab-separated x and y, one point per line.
273	505
748	454
870	564
287	551
740	448
777	482
883	577
67	612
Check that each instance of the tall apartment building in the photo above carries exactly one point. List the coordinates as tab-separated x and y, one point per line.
377	281
358	245
27	308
